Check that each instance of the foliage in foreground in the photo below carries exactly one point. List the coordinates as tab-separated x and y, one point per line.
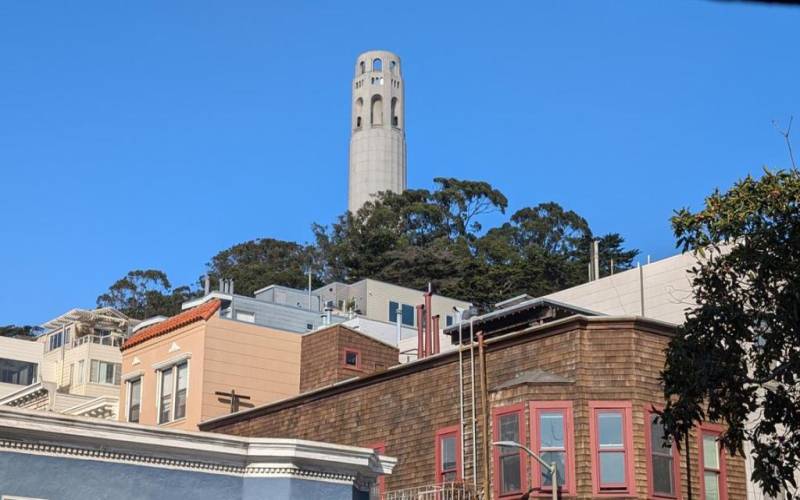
736	359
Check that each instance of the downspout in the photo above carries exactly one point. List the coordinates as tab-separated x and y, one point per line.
461	391
428	320
484	414
472	386
435	334
688	469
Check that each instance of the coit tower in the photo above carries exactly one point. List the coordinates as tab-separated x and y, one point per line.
377	138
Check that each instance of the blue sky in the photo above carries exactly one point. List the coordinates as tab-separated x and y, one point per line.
154	134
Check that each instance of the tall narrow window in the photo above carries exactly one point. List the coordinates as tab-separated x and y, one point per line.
612	442
394	310
362	66
509	463
552	439
173	392
359	111
376	114
408	315
377	64
448	455
395	119
80	377
393	66
134	399
663	468
165	413
713	484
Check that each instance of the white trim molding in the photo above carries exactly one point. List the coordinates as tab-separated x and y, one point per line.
82	438
132	376
163	365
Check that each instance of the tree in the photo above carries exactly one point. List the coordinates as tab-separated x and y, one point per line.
143	294
23	332
257	263
739	350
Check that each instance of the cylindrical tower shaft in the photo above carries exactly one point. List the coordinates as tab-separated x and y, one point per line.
377	138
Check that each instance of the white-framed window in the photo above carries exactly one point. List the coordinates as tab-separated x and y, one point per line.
104	372
134	399
246	316
79	376
172	392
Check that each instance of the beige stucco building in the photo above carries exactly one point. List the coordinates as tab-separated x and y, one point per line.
172	370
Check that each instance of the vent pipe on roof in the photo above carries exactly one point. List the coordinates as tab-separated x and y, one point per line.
420	332
594	260
206	285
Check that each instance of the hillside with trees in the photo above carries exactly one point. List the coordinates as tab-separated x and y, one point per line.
409	239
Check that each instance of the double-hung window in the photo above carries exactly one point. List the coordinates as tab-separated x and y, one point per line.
173	384
134	399
104	372
405	311
553	440
612	447
509	462
712	485
663	464
448	455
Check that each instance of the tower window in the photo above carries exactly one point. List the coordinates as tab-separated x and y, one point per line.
393	66
395	119
359	111
376	114
363	67
377	64
358	122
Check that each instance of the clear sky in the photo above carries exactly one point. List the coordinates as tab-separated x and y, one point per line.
153	134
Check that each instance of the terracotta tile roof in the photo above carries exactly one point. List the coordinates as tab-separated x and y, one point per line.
203	311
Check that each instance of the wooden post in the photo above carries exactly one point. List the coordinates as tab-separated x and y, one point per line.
484	416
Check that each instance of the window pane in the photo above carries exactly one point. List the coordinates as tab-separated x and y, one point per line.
662	475
710	452
408	315
166	396
612	467
509	474
449	477
180	395
657	442
551	429
449	453
509	430
351	358
393	307
711	481
17	372
136	395
609	425
560	458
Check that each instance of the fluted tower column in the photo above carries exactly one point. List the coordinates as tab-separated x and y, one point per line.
377	138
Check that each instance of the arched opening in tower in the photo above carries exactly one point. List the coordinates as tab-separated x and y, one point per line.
395	118
376	116
359	111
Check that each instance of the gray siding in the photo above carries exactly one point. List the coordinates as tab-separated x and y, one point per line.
282	317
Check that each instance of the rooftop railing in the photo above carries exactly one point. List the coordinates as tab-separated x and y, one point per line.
447	491
109	340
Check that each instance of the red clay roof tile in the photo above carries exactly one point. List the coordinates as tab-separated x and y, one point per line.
203	311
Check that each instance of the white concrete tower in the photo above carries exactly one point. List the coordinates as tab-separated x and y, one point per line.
378	138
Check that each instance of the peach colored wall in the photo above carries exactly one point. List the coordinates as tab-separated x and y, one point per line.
189	339
254	360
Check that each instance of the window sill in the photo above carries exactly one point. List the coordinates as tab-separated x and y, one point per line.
172	422
353	368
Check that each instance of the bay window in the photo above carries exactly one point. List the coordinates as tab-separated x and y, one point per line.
713	483
663	463
552	439
612	445
509	462
104	372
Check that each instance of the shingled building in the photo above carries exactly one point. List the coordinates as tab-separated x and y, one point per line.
577	388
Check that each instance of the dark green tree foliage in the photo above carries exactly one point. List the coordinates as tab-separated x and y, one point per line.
257	263
20	331
420	237
145	293
739	349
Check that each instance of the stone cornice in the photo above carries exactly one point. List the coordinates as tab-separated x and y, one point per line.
93	439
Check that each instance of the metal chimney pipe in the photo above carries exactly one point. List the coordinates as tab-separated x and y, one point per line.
420	334
428	321
596	259
436	334
206	285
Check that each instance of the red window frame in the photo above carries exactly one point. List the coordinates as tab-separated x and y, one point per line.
445	432
349	350
536	408
519	409
380	449
649	411
714	430
625	408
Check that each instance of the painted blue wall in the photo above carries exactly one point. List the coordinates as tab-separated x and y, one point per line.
56	478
